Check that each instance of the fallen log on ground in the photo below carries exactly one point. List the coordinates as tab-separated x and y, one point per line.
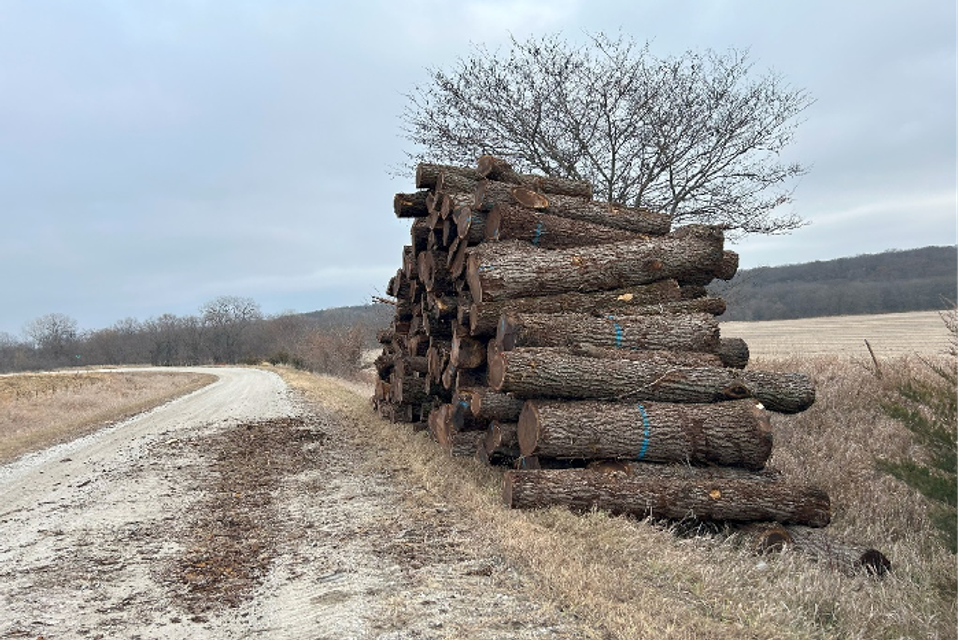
848	558
672	492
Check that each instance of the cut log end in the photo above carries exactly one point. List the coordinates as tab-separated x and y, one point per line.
528	428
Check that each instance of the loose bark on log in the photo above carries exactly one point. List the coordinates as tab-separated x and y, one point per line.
532	372
487	404
488	194
725	433
734	353
498	271
428	174
671	492
485	316
842	556
411	205
691	332
511	222
637	220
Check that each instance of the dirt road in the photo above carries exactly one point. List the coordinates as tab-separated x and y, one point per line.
239	512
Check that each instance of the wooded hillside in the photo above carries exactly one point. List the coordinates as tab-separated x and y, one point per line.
889	282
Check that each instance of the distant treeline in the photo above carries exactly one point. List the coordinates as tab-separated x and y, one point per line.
228	330
891	282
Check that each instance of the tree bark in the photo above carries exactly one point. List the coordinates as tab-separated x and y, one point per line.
671	492
497	169
511	222
497	271
848	558
533	372
428	174
724	271
411	205
638	220
690	332
488	194
485	316
432	272
471	225
487	404
733	433
407	388
734	353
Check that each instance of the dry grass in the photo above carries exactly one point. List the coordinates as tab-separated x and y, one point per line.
636	579
38	410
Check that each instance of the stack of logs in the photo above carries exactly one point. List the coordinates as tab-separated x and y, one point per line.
574	341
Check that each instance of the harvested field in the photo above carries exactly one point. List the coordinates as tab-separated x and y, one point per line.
890	335
38	410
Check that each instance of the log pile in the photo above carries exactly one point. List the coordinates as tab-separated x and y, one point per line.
573	341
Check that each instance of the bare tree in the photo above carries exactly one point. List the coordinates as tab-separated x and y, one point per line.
225	321
54	335
697	136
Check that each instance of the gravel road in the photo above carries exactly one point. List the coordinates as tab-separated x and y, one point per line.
238	512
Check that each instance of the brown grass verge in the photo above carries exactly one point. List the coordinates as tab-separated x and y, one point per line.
38	410
636	579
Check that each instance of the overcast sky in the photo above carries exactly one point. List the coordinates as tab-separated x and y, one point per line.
157	154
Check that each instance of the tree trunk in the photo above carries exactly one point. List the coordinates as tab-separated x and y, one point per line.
411	205
471	225
734	433
532	372
498	169
673	492
485	316
845	557
511	222
692	332
487	404
734	353
432	272
498	271
454	182
724	271
488	194
607	214
428	174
